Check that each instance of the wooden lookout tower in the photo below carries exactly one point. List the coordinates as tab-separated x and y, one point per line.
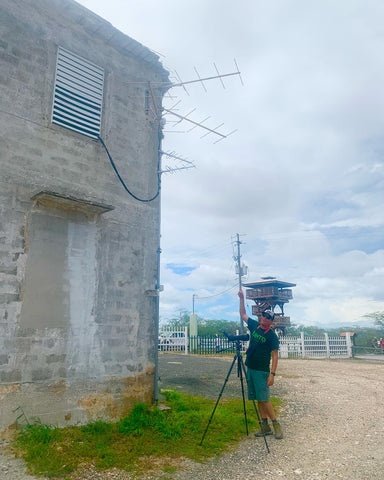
269	293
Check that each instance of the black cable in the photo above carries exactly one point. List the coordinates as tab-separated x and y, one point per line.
122	181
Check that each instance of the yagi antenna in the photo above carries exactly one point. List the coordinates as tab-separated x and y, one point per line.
173	155
185	116
150	95
200	125
169	169
177	157
219	75
202	83
241	80
181	83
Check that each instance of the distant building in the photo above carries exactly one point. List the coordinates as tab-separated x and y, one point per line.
271	293
78	255
351	334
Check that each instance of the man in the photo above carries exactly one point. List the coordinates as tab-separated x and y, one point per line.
263	344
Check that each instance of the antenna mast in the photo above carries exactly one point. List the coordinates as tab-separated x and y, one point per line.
241	271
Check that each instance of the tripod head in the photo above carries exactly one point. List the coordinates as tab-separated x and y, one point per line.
236	338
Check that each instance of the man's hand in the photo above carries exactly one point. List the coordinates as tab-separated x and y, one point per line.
242	311
271	380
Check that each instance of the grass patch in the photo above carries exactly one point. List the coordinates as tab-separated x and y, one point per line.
150	438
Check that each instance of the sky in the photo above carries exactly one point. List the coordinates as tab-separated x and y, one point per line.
301	178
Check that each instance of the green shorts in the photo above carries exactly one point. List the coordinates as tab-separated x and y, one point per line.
257	385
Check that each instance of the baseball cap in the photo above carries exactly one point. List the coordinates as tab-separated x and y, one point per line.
268	314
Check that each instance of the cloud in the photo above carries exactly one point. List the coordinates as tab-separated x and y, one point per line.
302	178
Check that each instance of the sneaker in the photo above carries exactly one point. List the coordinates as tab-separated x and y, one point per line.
278	431
265	429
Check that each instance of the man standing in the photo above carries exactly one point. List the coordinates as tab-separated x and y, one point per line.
263	344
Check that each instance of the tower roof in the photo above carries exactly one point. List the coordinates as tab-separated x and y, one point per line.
269	283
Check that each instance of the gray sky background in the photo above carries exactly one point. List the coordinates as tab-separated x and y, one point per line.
302	178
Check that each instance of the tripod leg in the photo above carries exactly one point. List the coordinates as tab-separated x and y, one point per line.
218	399
240	374
256	410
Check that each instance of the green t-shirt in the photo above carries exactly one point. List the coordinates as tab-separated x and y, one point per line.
260	347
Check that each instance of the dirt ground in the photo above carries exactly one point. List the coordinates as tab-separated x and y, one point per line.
333	423
333	419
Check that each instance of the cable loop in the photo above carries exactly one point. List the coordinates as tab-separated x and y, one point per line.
122	181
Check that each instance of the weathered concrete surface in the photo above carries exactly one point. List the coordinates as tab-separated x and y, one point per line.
75	323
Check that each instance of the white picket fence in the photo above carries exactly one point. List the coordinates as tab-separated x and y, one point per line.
315	347
176	340
173	340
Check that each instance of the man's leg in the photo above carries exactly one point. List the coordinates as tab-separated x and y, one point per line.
266	411
258	381
265	429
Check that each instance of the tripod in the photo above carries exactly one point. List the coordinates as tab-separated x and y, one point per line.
241	372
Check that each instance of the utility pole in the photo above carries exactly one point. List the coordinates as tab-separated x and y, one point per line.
241	272
238	258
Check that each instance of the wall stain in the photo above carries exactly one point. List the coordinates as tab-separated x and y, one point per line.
137	389
58	388
99	405
7	389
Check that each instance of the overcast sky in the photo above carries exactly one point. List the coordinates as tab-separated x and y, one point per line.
302	178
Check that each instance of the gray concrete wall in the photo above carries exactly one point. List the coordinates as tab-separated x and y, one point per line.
77	331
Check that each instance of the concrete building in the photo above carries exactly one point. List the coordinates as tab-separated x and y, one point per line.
78	254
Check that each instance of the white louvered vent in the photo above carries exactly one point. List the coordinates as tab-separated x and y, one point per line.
78	95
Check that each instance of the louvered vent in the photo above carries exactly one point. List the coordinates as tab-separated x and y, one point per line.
78	97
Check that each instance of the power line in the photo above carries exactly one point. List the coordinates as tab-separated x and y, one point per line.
204	252
217	294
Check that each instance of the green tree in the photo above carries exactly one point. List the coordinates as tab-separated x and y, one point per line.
308	330
378	317
205	327
213	327
180	321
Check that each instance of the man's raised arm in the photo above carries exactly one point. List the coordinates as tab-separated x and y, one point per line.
243	313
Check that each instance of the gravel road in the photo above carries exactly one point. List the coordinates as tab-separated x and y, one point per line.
333	423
